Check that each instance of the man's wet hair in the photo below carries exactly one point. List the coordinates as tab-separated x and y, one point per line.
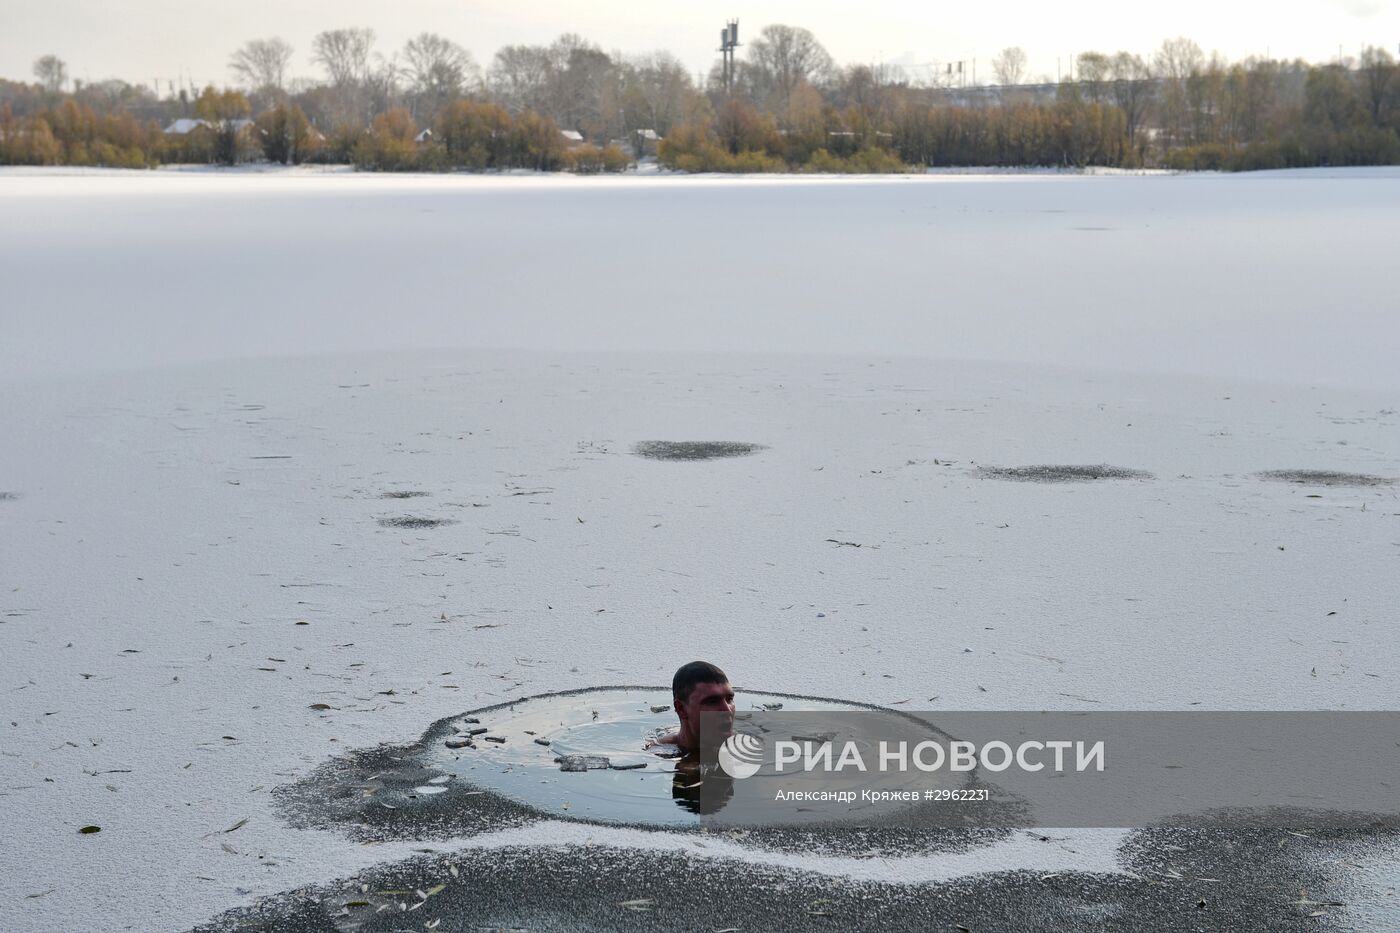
696	672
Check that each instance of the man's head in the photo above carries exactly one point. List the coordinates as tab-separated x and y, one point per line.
700	687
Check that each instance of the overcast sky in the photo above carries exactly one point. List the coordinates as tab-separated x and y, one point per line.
142	40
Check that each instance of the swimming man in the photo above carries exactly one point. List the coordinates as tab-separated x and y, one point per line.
698	687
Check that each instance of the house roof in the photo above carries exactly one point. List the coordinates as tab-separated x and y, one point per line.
574	135
183	125
188	125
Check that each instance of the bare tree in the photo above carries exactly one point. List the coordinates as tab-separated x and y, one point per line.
582	86
381	85
519	76
1331	99
261	64
1380	82
1262	95
52	73
870	91
1132	90
657	92
344	53
1176	61
571	80
780	59
1009	65
1094	69
1205	95
1178	58
438	67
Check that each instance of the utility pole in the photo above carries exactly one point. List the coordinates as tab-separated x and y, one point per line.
728	42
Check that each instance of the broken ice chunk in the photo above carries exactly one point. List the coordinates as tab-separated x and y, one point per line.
583	763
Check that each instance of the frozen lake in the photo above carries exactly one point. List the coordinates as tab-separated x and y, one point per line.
895	347
1278	276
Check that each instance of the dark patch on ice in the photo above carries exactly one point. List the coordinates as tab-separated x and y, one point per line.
362	793
1324	478
413	521
1174	879
431	790
1062	473
8	496
403	494
694	450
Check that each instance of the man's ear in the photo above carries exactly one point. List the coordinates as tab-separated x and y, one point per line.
680	709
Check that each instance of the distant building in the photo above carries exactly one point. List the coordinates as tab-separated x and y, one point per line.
639	144
572	137
184	126
424	137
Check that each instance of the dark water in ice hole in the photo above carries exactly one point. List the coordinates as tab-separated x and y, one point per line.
614	723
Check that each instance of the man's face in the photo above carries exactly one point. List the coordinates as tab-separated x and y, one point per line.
708	698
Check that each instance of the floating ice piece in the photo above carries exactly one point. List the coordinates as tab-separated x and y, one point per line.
820	738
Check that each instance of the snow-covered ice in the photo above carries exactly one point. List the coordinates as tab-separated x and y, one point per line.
1273	276
211	381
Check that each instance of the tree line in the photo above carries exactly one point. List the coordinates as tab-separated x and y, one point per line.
786	106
